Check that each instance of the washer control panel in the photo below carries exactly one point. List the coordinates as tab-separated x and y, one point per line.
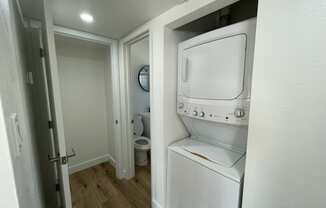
231	113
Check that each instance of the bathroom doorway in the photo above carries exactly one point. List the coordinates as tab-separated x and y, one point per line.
137	73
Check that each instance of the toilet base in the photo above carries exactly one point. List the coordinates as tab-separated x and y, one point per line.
141	158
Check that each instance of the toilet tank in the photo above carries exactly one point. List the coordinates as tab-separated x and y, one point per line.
146	118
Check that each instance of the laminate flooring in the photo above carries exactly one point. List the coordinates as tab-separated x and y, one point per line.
98	187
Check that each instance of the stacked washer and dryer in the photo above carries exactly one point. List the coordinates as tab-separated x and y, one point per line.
214	80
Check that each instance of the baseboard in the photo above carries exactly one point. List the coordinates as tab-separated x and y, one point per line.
155	204
111	160
91	163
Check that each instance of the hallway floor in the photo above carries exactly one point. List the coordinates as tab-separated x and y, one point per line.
97	187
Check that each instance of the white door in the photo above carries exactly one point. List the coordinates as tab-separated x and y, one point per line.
61	158
42	118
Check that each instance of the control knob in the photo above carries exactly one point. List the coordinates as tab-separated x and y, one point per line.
201	114
195	113
239	113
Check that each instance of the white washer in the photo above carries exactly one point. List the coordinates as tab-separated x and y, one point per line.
204	176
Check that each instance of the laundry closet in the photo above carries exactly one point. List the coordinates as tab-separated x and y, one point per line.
214	70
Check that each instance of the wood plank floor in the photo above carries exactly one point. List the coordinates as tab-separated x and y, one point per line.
97	187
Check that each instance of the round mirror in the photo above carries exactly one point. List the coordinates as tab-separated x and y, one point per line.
143	78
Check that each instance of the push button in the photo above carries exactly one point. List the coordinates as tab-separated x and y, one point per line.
181	105
239	113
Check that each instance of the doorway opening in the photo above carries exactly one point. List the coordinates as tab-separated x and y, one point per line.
88	84
137	84
139	106
87	104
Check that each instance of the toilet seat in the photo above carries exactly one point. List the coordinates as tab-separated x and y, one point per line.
142	143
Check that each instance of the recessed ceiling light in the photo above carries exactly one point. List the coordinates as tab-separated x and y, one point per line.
86	17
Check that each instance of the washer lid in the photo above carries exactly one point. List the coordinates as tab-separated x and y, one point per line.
215	154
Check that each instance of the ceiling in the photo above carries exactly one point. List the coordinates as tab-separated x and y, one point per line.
112	18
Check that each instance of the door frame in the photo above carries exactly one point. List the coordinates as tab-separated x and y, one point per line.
112	45
50	31
127	143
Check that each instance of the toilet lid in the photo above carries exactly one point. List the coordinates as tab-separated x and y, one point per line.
138	126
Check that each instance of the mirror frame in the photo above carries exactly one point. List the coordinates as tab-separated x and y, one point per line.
140	70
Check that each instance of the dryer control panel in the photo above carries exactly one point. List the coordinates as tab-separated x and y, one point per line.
230	113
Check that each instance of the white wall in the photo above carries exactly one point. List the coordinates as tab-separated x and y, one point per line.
286	158
139	56
85	83
8	192
172	119
19	170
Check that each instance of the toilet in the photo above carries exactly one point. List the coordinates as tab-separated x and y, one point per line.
142	144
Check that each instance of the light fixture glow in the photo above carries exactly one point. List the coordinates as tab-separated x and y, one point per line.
86	17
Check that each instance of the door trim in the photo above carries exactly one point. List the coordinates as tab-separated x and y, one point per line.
127	114
113	47
56	107
56	104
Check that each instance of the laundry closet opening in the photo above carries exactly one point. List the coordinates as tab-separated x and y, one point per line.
207	75
174	35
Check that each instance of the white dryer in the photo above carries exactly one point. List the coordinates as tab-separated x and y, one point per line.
214	74
214	82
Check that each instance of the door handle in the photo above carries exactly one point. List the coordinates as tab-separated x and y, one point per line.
73	154
64	159
54	159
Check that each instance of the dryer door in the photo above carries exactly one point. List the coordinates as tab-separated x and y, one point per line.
214	70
